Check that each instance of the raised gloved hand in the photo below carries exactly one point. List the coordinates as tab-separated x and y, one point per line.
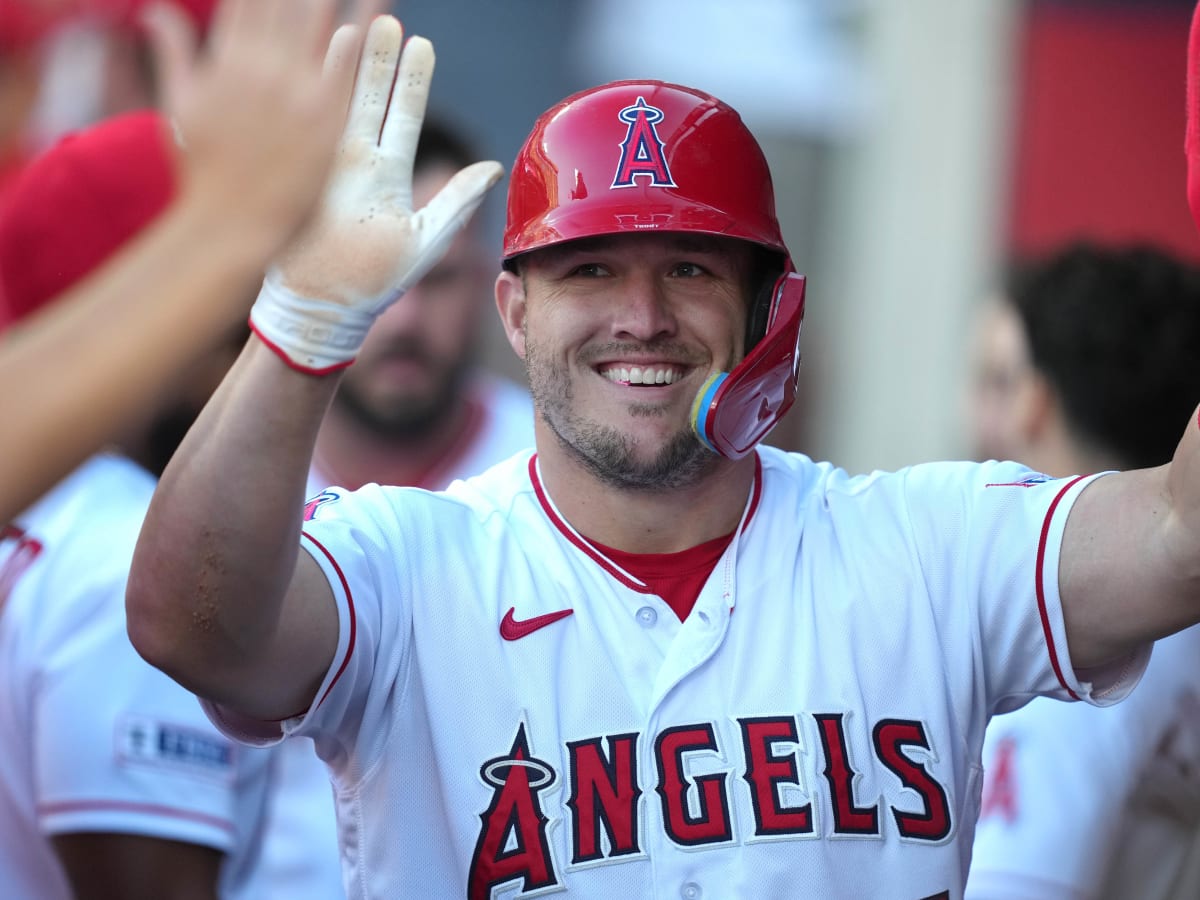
366	245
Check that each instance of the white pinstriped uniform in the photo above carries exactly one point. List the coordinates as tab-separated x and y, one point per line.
94	738
812	728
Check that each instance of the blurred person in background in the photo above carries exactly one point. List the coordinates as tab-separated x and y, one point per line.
1085	362
97	61
65	64
112	783
120	786
92	363
416	408
24	28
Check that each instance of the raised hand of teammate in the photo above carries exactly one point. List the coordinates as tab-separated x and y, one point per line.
366	244
258	109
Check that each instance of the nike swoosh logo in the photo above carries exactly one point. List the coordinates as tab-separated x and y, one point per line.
513	630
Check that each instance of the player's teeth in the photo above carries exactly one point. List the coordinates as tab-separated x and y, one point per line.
639	375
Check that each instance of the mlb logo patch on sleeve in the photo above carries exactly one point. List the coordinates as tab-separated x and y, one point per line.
144	741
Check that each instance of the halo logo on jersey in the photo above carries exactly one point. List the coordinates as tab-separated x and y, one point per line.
513	844
313	506
642	149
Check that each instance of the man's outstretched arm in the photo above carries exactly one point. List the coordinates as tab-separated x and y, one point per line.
91	362
220	596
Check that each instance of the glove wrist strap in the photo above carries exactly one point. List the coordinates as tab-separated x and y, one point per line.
316	337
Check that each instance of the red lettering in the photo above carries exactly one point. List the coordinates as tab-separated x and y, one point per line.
847	818
891	737
767	771
711	824
604	796
1000	788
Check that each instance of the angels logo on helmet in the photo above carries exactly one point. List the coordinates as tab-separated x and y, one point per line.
642	149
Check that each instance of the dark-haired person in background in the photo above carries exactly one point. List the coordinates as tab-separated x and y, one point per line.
1087	361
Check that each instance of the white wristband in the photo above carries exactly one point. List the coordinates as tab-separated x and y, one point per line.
312	336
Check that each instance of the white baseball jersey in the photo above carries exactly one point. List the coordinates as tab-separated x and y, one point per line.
301	849
1090	803
509	713
94	738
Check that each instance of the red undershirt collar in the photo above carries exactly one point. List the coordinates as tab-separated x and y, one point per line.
676	577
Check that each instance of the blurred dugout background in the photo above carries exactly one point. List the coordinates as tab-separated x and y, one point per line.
915	145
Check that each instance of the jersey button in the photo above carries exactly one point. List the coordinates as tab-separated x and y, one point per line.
691	891
647	616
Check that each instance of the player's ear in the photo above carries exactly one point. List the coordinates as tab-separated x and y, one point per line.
510	301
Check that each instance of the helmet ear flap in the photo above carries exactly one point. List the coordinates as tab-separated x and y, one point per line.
758	317
769	266
734	410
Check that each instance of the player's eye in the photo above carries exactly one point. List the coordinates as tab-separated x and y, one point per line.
589	270
687	270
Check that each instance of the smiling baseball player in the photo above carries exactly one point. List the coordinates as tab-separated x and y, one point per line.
651	658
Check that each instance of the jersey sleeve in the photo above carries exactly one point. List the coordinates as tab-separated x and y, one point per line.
118	746
996	580
360	544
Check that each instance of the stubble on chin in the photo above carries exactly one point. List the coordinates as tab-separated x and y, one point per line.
606	452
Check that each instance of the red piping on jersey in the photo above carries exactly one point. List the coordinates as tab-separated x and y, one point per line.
349	603
170	812
595	555
1041	587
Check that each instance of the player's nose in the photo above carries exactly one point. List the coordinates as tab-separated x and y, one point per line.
643	311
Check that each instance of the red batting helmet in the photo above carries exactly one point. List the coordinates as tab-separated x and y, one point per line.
636	156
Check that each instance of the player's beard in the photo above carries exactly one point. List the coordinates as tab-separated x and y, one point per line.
606	452
408	417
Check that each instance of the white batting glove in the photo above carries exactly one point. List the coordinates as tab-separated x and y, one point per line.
366	244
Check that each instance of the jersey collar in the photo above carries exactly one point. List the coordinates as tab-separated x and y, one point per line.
616	571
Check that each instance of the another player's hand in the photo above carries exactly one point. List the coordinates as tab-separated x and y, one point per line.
258	109
366	244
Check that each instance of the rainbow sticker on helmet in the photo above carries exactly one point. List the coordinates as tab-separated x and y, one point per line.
642	149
